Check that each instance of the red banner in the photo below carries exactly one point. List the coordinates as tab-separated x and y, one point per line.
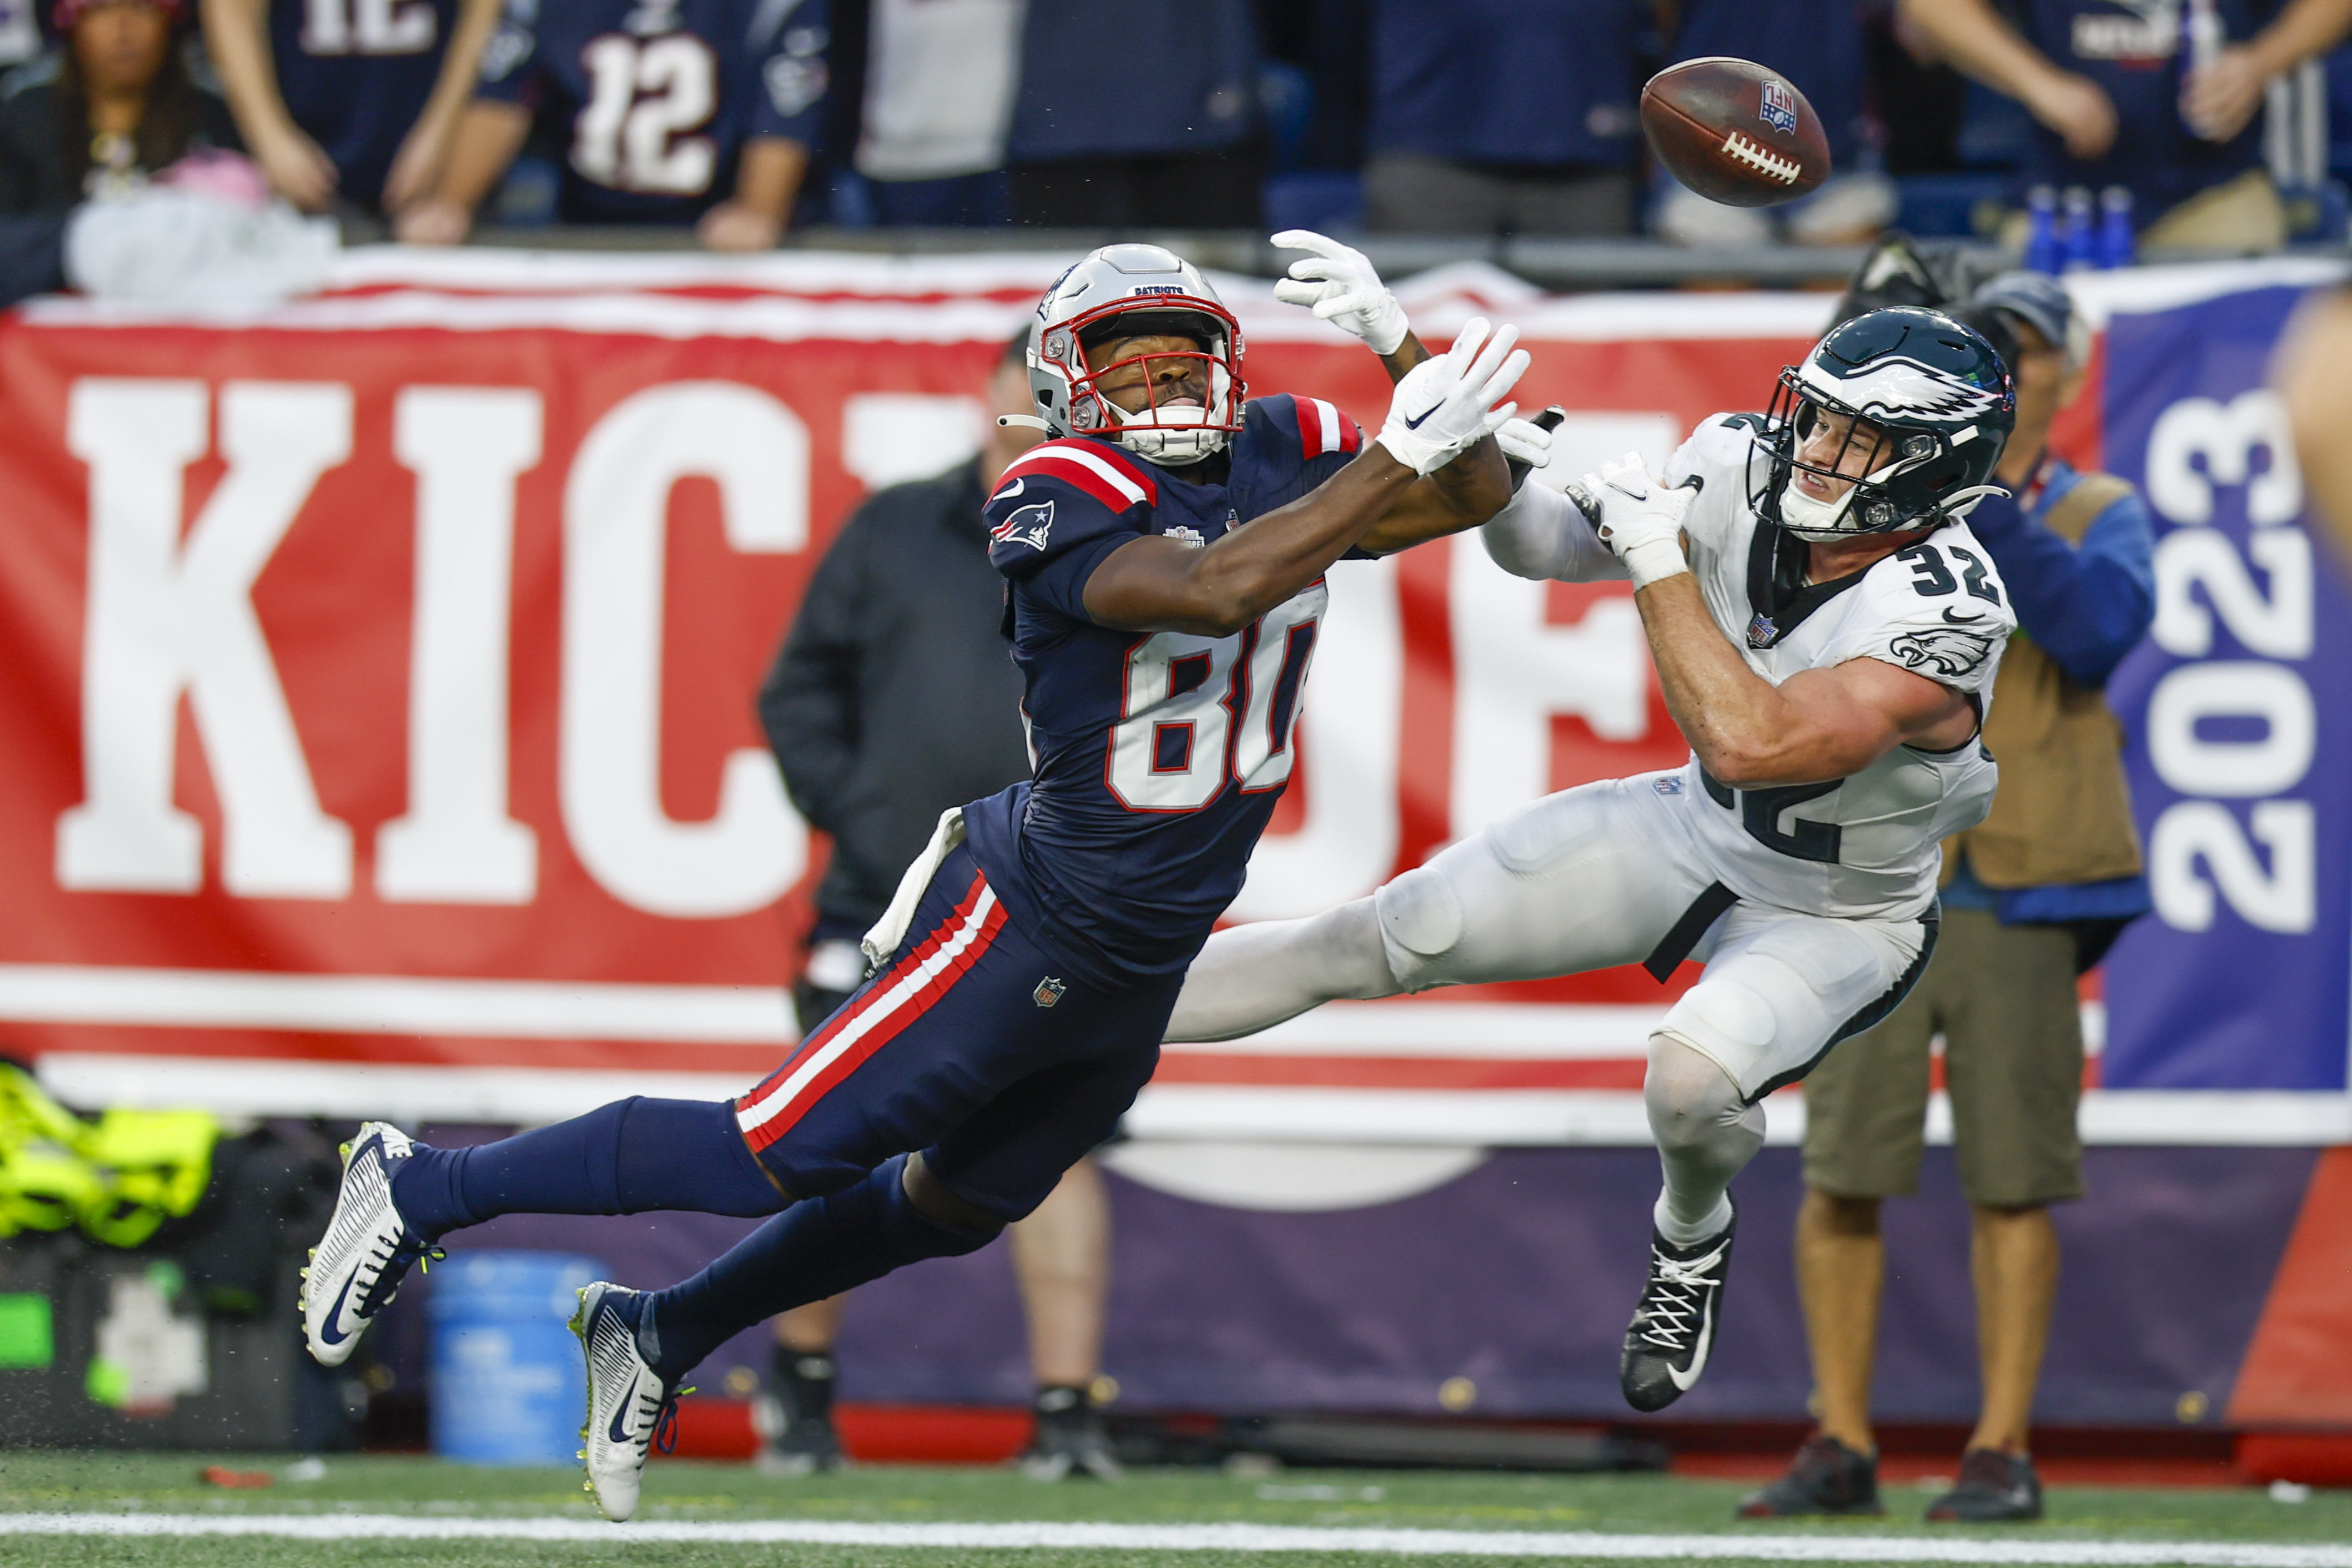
382	669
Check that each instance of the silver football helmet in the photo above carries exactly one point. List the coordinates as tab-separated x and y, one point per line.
1124	292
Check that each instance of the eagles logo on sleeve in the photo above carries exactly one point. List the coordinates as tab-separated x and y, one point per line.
1950	650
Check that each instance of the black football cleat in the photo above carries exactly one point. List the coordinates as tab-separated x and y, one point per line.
804	1445
1071	1443
1826	1476
1667	1342
1994	1488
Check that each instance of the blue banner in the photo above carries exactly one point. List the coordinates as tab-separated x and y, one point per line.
2235	707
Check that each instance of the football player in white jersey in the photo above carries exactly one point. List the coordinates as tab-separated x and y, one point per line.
1826	632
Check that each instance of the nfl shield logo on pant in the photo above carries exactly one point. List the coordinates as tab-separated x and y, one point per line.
1049	991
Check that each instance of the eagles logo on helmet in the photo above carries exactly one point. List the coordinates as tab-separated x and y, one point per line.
1123	292
1930	408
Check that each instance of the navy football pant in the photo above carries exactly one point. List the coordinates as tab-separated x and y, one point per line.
970	1044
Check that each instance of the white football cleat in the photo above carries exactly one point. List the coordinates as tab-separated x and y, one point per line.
356	1268
627	1407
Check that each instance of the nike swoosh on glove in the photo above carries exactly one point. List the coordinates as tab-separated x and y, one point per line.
1641	520
1340	286
1446	405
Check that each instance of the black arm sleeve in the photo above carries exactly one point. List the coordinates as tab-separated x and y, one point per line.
808	705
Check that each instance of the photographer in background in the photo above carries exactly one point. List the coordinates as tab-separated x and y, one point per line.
893	698
2032	897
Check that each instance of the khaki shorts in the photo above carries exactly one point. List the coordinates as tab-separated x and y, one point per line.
2003	999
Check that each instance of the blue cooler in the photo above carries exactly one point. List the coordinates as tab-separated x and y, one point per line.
508	1385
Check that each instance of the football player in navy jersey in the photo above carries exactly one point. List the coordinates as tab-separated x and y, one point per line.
681	111
356	99
1164	551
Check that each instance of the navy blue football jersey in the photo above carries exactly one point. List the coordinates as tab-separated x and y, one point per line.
1158	756
355	75
661	95
2136	53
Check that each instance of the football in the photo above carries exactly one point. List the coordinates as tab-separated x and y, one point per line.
1734	132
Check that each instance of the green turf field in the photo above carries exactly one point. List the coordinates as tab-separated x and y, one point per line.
383	1512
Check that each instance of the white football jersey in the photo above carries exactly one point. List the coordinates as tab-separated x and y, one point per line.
1866	845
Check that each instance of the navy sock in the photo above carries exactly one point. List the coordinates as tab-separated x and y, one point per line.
622	1158
815	1248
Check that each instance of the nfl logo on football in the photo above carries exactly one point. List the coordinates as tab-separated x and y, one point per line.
1780	107
1049	991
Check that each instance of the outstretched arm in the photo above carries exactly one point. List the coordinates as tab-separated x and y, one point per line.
1155	584
1817	724
1542	534
1339	284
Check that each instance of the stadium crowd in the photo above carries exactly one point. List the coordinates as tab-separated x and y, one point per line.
2211	121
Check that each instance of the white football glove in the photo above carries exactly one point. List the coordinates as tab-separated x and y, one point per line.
1641	520
1524	443
1341	287
1447	404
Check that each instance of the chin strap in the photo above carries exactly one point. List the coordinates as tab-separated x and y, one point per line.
1025	421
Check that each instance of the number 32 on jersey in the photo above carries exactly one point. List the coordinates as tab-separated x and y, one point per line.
1178	739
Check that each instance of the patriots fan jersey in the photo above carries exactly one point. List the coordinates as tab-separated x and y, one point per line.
1158	756
355	75
659	95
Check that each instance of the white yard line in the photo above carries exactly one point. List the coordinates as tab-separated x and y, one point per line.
1570	1545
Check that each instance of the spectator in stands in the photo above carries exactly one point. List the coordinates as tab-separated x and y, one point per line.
681	111
893	698
1494	117
2121	99
1138	114
2032	898
348	100
940	77
1822	46
113	105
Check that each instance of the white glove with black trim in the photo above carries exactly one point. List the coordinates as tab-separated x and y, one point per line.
1446	405
1641	520
1341	287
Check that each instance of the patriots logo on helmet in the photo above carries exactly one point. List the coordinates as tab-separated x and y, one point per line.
1896	387
1778	109
1026	527
1943	650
